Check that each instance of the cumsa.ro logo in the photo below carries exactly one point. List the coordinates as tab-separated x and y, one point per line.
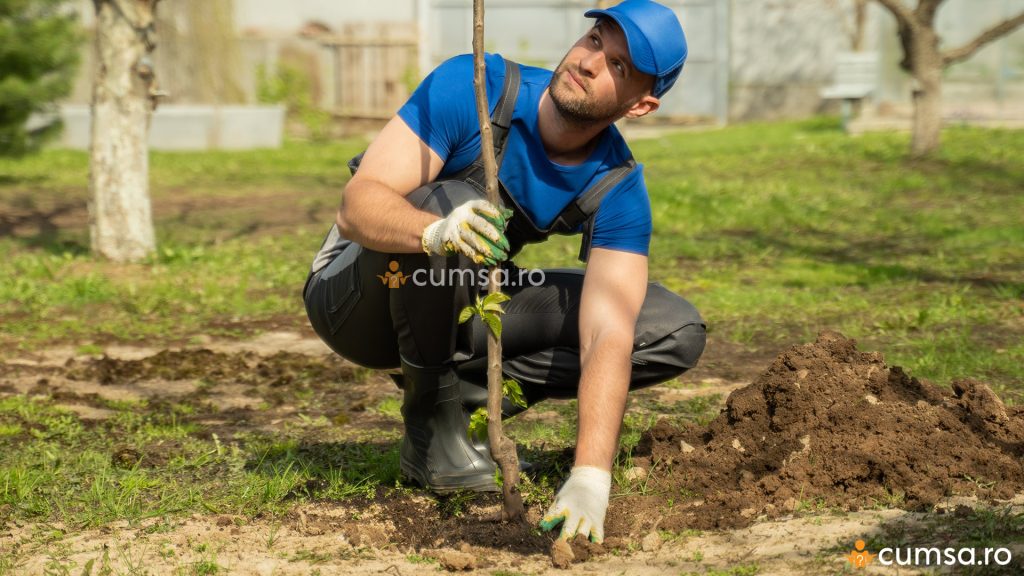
925	556
395	278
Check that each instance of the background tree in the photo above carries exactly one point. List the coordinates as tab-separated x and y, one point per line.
124	96
39	46
925	60
854	19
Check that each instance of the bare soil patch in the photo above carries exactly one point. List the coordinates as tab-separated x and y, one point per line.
30	214
339	539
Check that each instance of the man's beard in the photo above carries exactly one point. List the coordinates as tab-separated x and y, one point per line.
579	109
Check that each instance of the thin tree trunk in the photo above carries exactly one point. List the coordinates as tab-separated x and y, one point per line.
927	66
503	449
927	115
121	222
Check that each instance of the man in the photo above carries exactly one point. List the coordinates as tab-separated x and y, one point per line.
415	210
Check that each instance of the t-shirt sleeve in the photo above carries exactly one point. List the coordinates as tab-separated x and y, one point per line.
442	110
623	221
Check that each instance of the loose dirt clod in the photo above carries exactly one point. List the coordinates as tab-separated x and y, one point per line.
453	560
616	543
651	542
636	474
561	554
827	426
583	549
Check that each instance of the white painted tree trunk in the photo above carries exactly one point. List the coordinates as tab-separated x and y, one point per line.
120	216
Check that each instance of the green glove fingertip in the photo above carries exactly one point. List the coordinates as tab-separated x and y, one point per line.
498	249
549	524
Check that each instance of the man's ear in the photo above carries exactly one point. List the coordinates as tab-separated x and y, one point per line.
643	107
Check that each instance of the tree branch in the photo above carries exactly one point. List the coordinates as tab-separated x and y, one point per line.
994	33
903	14
926	10
906	23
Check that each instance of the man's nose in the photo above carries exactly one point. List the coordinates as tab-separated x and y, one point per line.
591	63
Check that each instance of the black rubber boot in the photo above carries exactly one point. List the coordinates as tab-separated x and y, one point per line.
473	397
436	451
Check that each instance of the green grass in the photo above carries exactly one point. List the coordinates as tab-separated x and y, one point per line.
145	463
298	165
47	298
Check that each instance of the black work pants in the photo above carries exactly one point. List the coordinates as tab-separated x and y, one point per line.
374	308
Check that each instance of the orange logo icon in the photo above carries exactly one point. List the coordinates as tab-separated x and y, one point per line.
860	557
393	278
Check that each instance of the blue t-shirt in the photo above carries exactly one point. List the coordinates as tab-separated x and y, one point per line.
442	112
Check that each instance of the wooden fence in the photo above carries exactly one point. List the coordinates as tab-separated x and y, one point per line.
373	69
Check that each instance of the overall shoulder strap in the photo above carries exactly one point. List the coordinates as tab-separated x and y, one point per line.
502	115
501	119
584	207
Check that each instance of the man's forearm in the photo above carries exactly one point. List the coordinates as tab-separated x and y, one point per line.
604	386
388	223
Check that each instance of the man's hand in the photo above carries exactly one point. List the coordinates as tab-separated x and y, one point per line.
581	504
475	229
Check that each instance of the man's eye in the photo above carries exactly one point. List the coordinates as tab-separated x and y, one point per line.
620	68
593	38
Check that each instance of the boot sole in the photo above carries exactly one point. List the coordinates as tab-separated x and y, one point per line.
478	483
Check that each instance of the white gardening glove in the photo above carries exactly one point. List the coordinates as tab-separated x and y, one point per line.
581	504
475	229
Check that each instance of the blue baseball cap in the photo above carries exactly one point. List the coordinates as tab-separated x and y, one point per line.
655	38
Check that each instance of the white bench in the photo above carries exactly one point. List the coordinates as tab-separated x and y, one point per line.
855	79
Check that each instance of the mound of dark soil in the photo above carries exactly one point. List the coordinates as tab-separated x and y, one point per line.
829	426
